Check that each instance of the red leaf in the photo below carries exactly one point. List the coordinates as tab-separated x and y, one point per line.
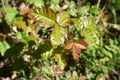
81	43
75	52
68	45
76	46
24	11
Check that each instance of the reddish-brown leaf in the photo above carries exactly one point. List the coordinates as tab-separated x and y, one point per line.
76	46
24	11
68	45
81	43
75	52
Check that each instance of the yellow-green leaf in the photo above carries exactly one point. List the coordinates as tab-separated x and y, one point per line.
20	23
37	3
90	32
61	61
58	35
3	47
63	18
47	54
44	50
46	17
10	14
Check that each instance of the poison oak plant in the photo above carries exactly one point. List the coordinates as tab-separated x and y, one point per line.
59	23
43	33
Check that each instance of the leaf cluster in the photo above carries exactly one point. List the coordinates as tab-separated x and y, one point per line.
56	33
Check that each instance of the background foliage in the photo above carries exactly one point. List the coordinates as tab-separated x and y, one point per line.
59	39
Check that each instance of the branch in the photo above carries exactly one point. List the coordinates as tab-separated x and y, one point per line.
116	26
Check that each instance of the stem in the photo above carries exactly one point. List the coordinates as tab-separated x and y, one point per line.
98	4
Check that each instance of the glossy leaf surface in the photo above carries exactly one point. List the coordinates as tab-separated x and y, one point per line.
61	61
46	17
63	18
37	3
3	47
76	46
43	50
10	14
90	32
58	35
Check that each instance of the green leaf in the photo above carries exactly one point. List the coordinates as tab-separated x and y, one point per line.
55	7
10	14
20	23
46	17
37	3
18	63
58	35
63	18
90	33
14	50
55	1
107	53
94	10
90	36
84	10
48	54
61	61
78	22
27	37
44	50
3	47
24	37
100	76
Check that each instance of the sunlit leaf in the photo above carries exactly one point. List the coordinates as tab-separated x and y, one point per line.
20	23
44	50
82	44
90	33
69	45
61	61
27	37
94	10
84	10
45	17
3	47
76	46
58	35
107	53
55	1
100	76
75	52
10	14
90	36
71	7
55	5
63	18
76	21
37	3
48	54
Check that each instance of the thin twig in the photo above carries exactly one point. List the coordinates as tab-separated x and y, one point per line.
102	10
104	7
116	26
98	3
